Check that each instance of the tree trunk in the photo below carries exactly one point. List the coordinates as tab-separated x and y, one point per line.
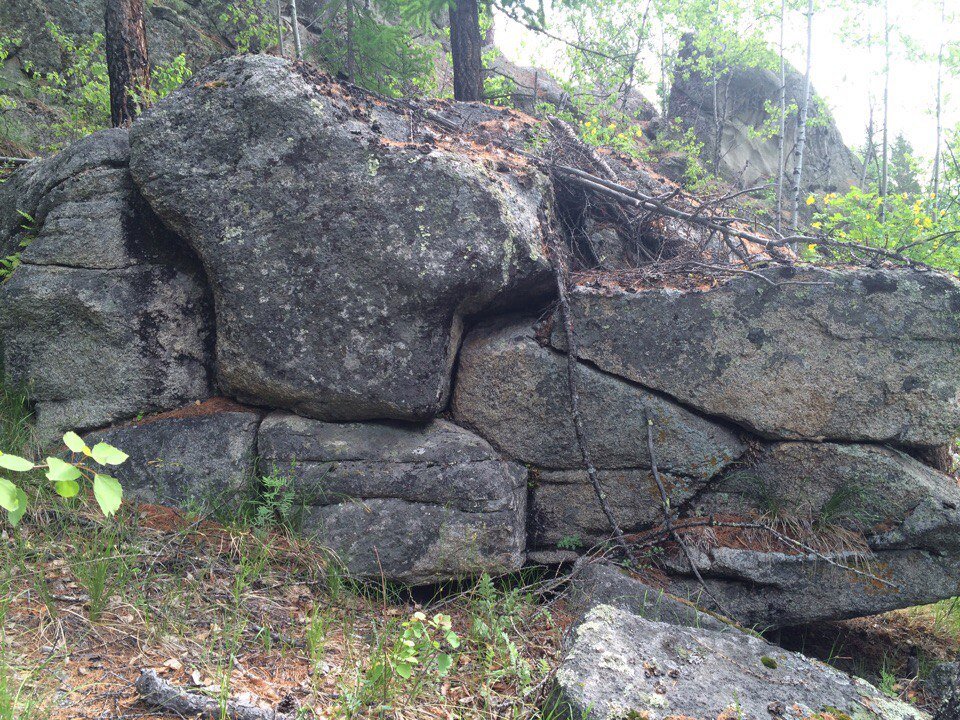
802	123
280	30
351	57
128	65
465	43
939	109
297	48
884	175
781	138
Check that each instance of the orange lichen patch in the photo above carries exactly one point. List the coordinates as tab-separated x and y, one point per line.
195	409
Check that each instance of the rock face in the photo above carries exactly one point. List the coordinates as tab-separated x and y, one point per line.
746	155
619	665
193	458
108	317
340	293
861	355
514	392
416	504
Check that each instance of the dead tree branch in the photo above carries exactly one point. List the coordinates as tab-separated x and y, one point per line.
161	694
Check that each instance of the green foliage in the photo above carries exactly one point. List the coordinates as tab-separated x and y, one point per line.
385	56
274	503
82	88
907	224
570	542
252	28
423	646
65	476
101	570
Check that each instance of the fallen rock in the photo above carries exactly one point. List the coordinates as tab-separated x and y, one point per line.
619	665
766	589
342	262
861	355
197	457
108	316
411	503
595	583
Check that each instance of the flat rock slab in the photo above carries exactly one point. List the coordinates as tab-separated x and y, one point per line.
894	500
774	589
863	355
341	261
411	503
620	666
200	461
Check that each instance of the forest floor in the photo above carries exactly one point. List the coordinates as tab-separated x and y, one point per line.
256	616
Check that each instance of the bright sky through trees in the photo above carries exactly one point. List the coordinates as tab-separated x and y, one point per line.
845	74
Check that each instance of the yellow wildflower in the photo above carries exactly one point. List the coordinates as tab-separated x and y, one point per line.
812	247
811	200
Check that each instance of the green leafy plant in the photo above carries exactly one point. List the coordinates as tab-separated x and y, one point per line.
65	476
274	504
252	29
424	643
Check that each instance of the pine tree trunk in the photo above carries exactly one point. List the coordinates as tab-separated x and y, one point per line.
283	51
128	65
465	47
802	123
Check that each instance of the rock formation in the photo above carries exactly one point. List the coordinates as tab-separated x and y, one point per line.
378	296
748	154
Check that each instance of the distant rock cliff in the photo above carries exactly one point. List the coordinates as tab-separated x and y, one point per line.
746	157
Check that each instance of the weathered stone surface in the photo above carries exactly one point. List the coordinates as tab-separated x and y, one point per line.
419	503
870	508
514	392
564	507
774	589
341	264
108	316
864	355
595	583
896	501
619	665
187	460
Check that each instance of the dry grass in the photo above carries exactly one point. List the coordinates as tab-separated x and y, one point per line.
254	616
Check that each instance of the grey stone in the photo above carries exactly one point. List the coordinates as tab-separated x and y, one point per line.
564	507
341	264
413	503
864	355
108	316
943	681
748	157
776	589
514	392
619	665
894	500
597	583
202	460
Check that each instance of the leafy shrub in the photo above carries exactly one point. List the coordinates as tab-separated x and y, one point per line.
252	29
65	476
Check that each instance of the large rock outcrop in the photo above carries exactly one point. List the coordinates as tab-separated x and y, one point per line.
342	263
108	316
748	154
852	355
619	665
410	503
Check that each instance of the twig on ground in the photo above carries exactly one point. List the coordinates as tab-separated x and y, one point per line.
159	693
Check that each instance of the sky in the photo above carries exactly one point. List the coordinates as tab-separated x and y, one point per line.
843	74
